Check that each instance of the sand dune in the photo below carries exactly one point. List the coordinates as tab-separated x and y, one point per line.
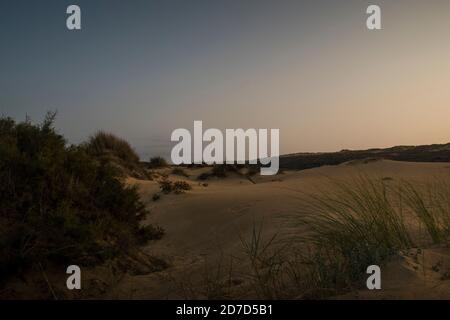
210	219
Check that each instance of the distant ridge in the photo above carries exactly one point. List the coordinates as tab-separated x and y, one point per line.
423	153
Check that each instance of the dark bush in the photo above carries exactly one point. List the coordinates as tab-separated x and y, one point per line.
60	203
157	162
181	186
166	186
103	143
177	187
114	151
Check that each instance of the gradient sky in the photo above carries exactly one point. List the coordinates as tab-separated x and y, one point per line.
141	69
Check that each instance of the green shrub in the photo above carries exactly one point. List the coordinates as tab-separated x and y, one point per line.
60	203
181	186
116	152
166	186
157	162
103	143
177	187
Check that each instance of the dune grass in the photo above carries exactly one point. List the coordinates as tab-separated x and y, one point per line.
431	205
266	261
363	222
352	227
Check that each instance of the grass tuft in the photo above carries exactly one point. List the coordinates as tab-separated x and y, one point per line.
356	225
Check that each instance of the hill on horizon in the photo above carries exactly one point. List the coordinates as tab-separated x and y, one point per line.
421	153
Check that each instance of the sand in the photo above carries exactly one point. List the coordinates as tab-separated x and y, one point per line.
209	221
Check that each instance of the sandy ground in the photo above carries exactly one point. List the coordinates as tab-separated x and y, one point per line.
212	218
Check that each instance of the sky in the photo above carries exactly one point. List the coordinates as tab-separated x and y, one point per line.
142	68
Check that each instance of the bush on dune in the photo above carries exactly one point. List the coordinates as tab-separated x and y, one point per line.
103	143
60	203
157	162
115	151
177	187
